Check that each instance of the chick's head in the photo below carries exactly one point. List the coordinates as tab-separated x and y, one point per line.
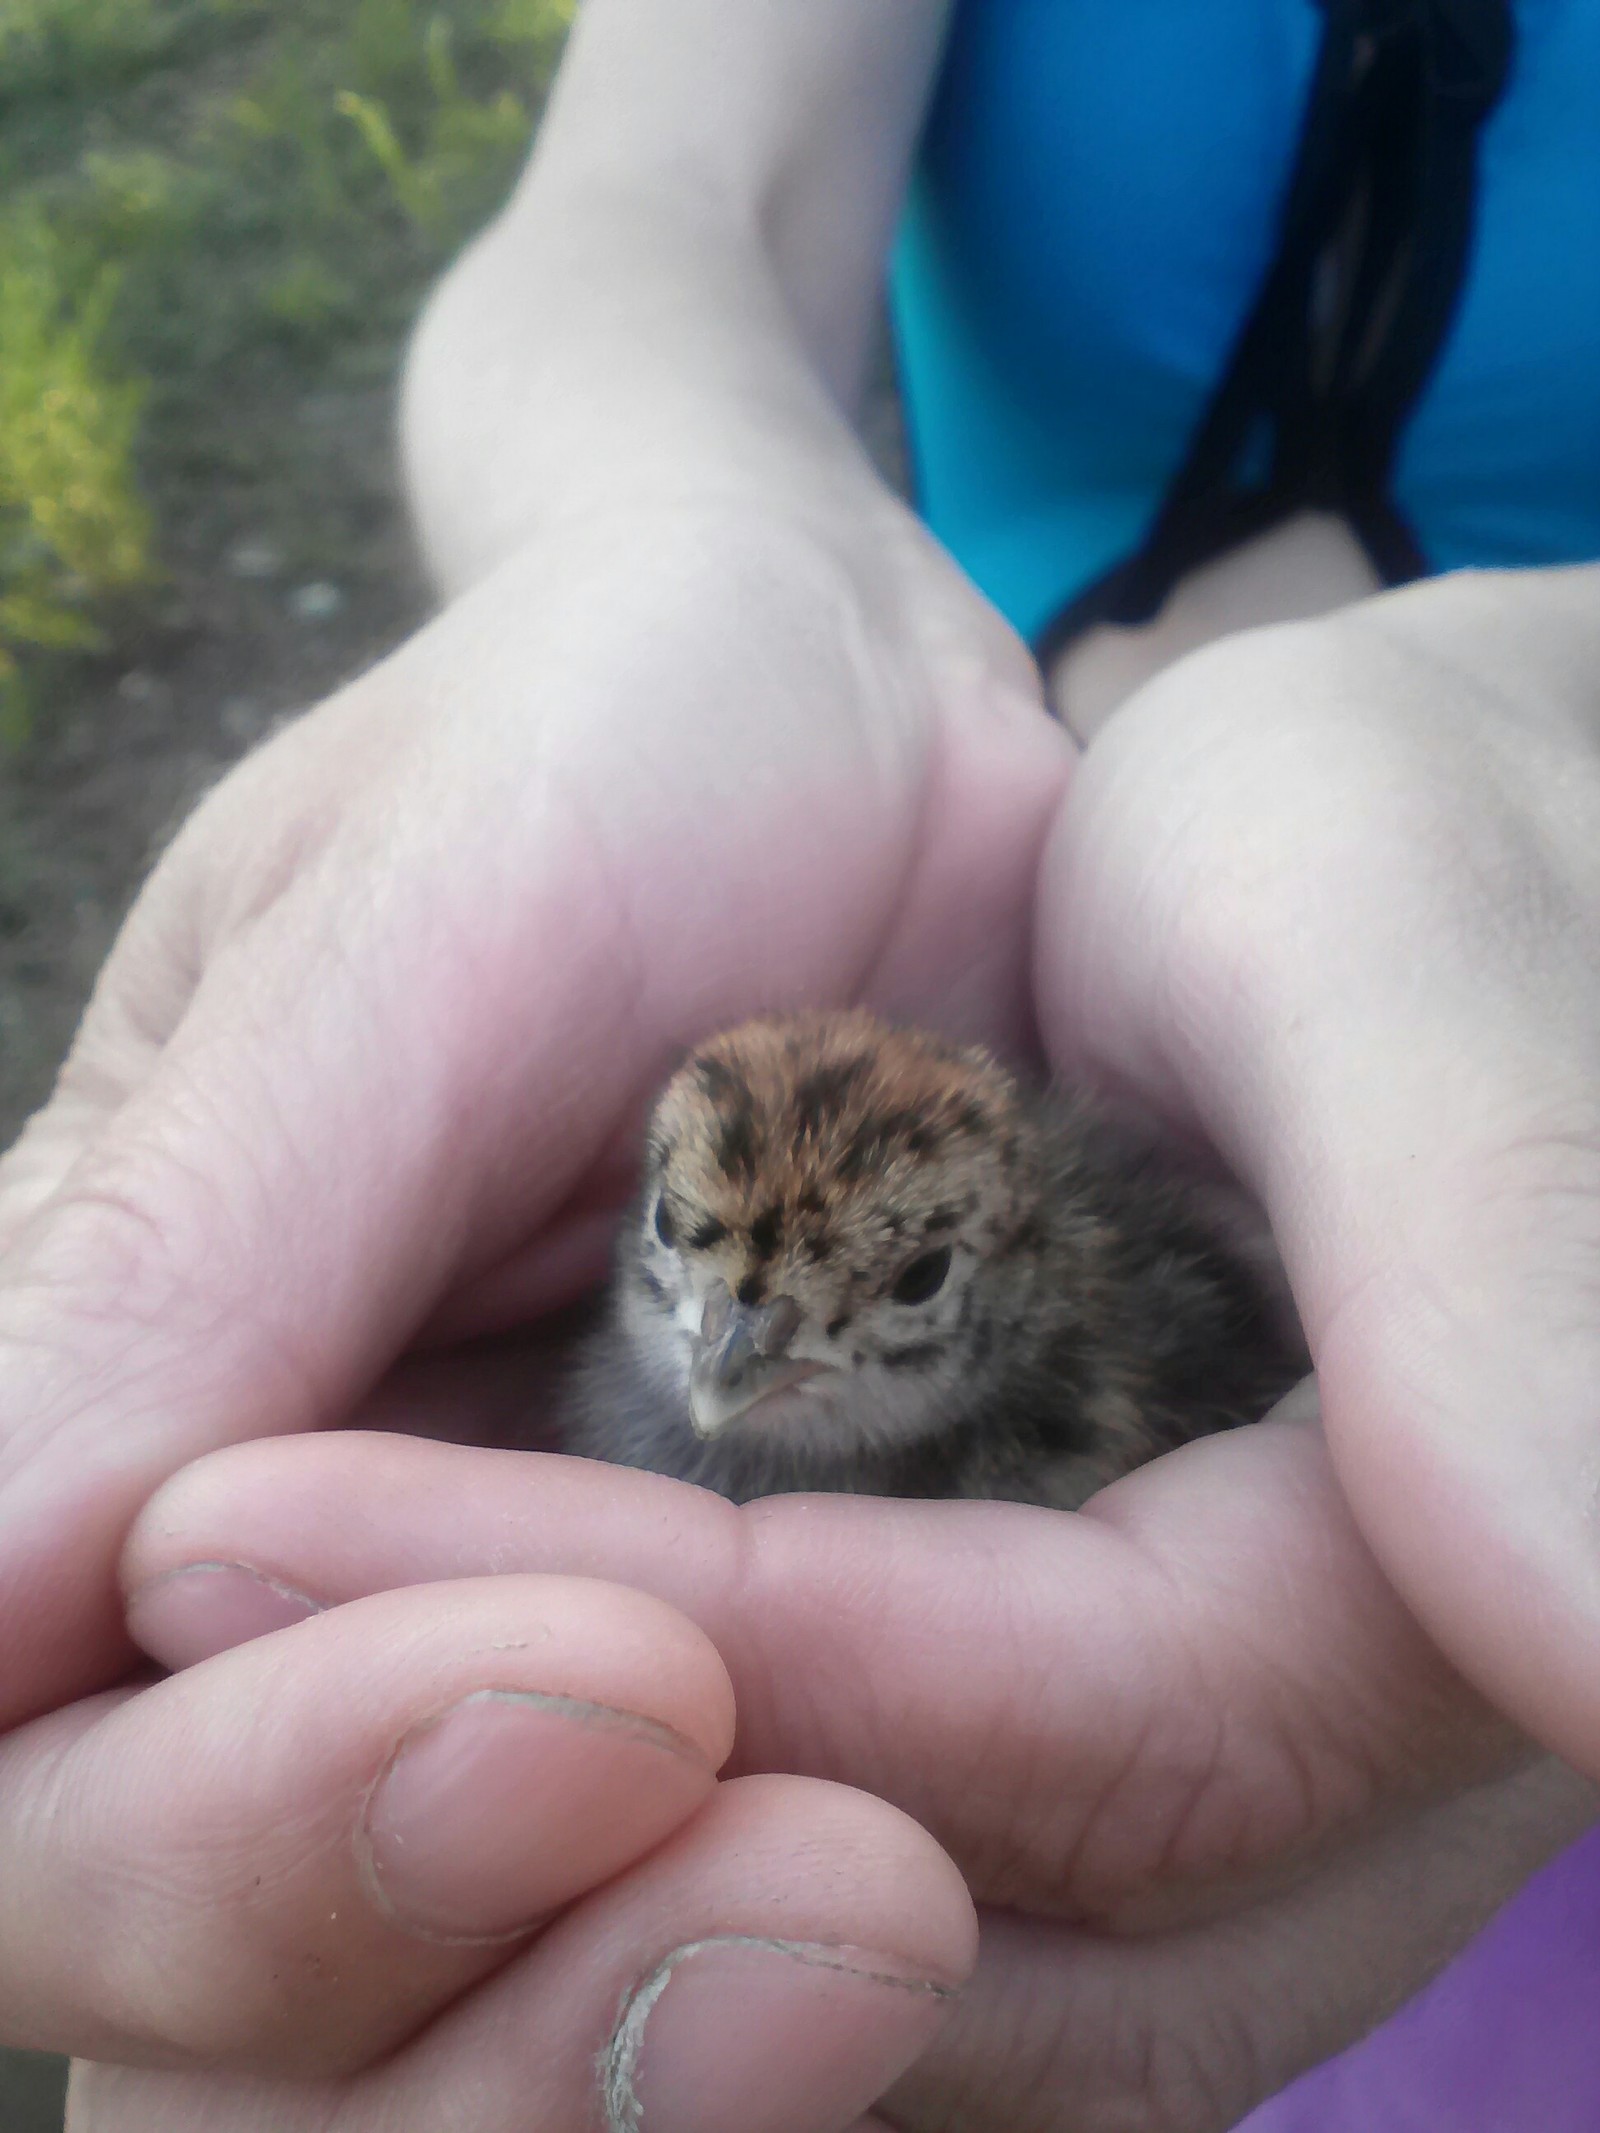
823	1197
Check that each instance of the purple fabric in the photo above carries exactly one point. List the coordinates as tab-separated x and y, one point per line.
1507	2040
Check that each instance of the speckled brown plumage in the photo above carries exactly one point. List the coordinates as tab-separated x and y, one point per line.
865	1259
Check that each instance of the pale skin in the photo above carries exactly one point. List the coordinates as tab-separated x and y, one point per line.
707	726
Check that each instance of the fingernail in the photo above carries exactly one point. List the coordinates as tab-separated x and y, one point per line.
731	2033
205	1608
510	1803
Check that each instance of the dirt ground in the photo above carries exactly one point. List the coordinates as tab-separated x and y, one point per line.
91	800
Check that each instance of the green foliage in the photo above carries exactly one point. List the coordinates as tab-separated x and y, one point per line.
461	139
285	182
539	23
305	301
411	112
72	526
50	46
444	151
132	198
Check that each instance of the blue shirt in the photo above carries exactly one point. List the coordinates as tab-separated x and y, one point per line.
1096	204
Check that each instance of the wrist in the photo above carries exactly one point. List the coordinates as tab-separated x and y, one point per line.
601	353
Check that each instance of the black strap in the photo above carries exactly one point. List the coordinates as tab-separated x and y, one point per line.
1372	253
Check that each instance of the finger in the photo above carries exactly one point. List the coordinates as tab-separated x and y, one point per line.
1041	1691
1346	918
1060	2032
772	1969
338	1827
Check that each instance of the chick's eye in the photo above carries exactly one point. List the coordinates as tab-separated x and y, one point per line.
666	1228
923	1278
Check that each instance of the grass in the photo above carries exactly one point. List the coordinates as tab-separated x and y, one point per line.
71	523
214	204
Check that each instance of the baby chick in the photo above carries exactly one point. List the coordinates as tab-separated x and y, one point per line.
864	1259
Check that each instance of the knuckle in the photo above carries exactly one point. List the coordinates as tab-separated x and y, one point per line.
123	1237
1338	780
84	1303
249	838
139	1258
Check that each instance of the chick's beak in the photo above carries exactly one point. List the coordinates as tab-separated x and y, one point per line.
740	1357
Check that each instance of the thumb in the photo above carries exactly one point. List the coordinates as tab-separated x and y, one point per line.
1347	922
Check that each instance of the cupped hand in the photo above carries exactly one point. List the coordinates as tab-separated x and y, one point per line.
1221	1803
1330	893
364	1068
369	1054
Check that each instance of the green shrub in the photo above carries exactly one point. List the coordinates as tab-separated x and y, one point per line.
72	526
50	46
466	148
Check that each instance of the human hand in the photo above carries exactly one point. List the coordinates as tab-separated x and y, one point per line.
1330	893
364	1066
298	1856
370	1050
1222	1803
1507	1834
